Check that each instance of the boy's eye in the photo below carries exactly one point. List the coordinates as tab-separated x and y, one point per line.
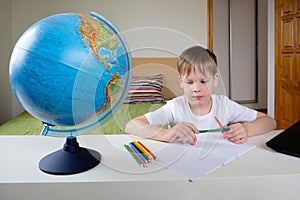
191	82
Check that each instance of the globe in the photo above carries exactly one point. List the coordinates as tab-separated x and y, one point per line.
70	71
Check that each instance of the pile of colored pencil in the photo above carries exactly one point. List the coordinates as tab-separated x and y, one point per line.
140	153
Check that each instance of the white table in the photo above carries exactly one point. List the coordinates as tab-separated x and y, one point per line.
258	174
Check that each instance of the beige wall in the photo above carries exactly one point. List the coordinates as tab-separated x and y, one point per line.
166	28
241	76
151	28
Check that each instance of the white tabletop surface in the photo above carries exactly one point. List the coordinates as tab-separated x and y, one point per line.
259	174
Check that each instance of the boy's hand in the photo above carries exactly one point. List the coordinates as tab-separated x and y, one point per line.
183	130
238	133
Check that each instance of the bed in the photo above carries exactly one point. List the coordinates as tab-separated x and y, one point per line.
162	73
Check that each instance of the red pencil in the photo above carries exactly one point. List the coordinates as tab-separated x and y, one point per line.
143	151
154	157
220	124
218	121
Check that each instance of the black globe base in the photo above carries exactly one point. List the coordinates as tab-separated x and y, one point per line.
72	159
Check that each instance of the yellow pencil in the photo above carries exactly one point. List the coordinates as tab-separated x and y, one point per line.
153	156
142	149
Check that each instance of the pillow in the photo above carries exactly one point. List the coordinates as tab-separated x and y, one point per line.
145	89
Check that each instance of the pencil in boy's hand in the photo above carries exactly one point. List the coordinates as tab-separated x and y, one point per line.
218	121
220	124
215	130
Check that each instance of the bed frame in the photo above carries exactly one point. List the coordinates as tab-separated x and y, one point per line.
165	66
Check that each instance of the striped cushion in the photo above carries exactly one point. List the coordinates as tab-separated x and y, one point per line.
145	89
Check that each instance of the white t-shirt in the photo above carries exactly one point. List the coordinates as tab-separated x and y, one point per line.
178	110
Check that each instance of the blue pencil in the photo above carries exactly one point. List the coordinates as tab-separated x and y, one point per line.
137	152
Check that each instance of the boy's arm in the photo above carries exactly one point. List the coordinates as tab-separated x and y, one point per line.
262	124
140	127
239	132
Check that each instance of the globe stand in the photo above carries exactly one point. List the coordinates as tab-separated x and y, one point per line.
71	159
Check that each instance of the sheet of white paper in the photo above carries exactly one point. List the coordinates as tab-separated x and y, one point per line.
194	161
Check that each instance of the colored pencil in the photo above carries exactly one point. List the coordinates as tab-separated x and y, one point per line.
142	154
153	156
138	152
218	121
143	150
220	124
137	156
133	155
214	130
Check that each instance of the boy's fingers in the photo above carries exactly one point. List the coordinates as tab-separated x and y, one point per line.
189	136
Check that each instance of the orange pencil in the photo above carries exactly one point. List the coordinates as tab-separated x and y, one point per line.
142	149
218	121
153	156
220	124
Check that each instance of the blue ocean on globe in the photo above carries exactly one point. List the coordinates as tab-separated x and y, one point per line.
70	70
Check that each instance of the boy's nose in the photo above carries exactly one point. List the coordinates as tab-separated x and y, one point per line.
197	87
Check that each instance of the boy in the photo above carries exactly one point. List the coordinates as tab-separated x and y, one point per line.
198	107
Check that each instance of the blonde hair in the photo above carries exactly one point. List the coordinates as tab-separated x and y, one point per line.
197	57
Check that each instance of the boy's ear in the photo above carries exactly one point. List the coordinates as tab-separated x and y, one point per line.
216	80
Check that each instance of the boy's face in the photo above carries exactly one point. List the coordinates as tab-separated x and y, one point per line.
198	87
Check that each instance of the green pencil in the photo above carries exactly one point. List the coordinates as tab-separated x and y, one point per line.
215	130
134	156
